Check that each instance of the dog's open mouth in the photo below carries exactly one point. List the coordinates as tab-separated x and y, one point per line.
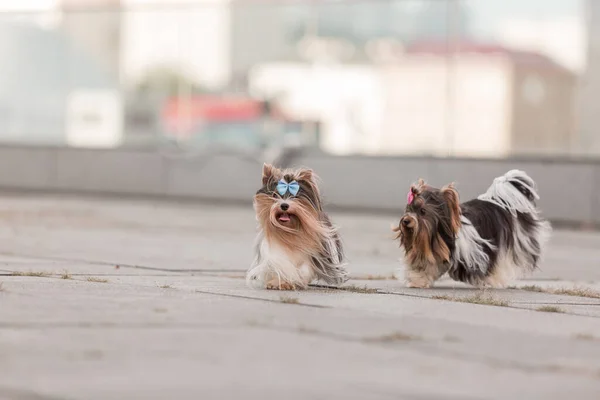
284	218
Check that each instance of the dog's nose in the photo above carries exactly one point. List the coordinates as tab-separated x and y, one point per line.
284	206
405	221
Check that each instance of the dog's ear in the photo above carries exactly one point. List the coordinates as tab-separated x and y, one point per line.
268	172
451	196
307	175
417	188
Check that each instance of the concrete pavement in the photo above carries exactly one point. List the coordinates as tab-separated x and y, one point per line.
128	299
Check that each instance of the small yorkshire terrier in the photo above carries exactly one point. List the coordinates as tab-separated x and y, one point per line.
297	242
487	241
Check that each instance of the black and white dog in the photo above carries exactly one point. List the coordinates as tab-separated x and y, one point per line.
487	241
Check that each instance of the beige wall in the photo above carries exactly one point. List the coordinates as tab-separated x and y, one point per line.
543	110
424	115
481	107
414	120
589	120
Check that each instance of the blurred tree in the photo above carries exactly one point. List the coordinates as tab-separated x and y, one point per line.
360	22
356	22
168	81
431	20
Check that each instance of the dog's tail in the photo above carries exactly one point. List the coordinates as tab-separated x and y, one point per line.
514	191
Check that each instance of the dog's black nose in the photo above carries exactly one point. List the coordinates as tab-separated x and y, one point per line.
405	221
284	206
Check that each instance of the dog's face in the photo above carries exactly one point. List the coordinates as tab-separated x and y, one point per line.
289	203
430	223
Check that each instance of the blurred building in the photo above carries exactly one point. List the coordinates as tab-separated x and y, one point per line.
487	101
256	34
94	116
95	26
41	68
589	123
375	90
214	42
562	38
483	100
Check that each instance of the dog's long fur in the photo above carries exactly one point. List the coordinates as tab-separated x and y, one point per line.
291	254
487	241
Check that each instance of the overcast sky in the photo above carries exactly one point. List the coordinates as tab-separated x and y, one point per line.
485	14
480	7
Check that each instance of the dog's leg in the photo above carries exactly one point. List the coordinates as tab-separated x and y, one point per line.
276	281
275	284
423	277
305	276
418	279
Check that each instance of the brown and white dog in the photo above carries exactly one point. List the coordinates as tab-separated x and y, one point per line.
296	243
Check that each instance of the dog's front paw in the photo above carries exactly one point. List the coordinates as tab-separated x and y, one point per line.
418	279
418	284
278	285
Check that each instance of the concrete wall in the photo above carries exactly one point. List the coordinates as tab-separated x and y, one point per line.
569	190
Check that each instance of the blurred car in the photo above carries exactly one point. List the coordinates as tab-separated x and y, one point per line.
228	121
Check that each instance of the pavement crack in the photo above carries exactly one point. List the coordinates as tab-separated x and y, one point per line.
555	303
239	296
110	325
121	265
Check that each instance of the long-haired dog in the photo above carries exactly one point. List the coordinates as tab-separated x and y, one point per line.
296	242
487	241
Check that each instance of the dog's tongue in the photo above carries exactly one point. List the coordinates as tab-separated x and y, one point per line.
285	217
